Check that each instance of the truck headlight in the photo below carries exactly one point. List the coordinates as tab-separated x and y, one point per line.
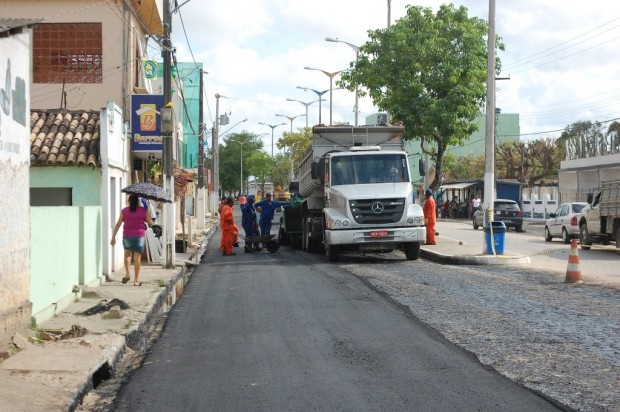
414	220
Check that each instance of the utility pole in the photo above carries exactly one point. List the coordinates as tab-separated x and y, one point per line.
168	208
489	158
200	195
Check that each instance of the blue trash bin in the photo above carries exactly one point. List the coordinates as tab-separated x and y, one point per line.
495	233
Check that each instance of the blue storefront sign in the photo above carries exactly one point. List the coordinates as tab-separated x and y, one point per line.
146	122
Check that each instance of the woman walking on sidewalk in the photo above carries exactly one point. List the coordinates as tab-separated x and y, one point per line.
134	231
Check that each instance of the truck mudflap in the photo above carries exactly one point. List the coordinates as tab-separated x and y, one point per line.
375	237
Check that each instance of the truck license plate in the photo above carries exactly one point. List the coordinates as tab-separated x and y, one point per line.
379	233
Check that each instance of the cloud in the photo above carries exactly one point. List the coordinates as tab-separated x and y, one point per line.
560	59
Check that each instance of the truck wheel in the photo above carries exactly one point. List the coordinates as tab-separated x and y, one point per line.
548	236
585	240
313	245
295	242
333	253
283	238
565	237
412	250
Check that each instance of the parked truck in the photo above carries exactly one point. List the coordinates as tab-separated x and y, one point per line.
599	221
356	195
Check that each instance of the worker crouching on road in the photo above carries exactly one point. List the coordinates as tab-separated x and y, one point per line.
430	216
267	209
229	229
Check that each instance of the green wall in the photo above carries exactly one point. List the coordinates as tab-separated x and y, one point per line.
85	182
65	250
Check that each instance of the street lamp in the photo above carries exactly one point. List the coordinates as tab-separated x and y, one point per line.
305	104
331	76
357	56
273	126
241	165
233	126
319	95
290	118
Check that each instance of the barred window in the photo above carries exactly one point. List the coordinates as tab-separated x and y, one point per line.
67	53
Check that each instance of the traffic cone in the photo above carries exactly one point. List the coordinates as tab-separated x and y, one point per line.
573	273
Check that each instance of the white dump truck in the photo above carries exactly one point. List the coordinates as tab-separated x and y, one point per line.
357	195
599	221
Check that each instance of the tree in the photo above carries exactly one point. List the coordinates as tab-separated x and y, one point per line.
429	72
529	162
230	159
259	164
280	170
582	139
297	143
467	167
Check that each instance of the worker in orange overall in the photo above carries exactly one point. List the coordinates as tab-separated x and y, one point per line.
229	229
430	216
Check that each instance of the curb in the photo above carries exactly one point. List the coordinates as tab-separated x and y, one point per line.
475	259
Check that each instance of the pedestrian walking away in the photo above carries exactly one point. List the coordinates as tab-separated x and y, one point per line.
430	217
267	209
133	219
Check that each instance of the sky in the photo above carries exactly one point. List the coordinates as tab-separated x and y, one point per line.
560	57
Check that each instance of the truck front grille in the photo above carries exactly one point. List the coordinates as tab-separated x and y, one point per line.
377	211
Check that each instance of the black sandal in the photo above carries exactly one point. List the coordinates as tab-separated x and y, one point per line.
125	280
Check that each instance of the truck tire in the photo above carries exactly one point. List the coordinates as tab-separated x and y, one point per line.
412	250
585	239
283	238
333	253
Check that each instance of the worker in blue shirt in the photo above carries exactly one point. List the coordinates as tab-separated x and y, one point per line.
267	208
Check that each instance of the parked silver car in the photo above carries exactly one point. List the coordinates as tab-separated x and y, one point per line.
505	210
564	222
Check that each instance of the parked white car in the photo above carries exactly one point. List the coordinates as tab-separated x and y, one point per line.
564	222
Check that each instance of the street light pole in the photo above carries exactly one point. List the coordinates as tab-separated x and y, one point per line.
331	76
273	126
305	104
200	191
357	56
216	154
489	164
241	166
290	118
319	95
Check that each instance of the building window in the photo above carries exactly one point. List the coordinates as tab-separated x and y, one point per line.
67	53
51	196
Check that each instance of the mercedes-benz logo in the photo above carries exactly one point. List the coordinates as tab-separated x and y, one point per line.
377	208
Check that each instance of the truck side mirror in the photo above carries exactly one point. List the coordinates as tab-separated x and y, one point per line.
314	170
589	198
422	167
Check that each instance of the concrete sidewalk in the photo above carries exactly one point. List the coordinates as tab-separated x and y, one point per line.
459	252
56	374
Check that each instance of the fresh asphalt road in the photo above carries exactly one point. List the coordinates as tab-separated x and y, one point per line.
291	332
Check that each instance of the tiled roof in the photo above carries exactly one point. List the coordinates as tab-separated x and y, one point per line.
15	25
64	138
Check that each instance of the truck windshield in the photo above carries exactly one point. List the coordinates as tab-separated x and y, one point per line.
368	169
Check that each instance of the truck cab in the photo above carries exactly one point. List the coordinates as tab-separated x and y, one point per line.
358	194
